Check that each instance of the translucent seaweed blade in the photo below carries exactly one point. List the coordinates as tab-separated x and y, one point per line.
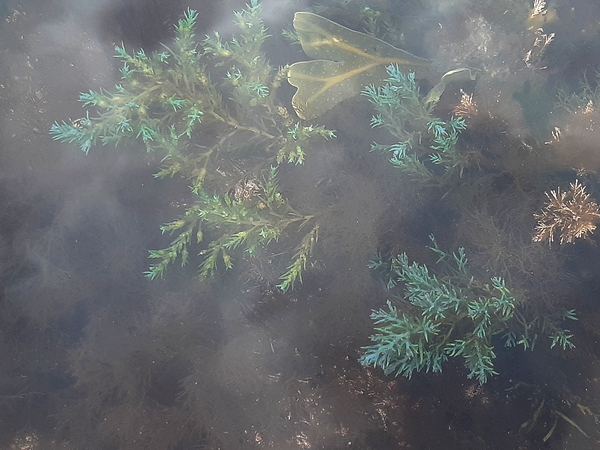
345	62
323	39
323	84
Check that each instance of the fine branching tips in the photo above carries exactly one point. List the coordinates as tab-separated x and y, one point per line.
452	314
250	217
467	107
570	215
209	108
423	140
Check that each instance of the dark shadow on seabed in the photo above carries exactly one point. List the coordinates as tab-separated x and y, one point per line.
95	356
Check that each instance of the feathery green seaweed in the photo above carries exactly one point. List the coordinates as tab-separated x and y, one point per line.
169	103
245	219
451	315
423	140
207	132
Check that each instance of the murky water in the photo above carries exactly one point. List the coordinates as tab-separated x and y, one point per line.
96	356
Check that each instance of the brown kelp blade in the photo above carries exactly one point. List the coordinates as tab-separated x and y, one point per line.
345	62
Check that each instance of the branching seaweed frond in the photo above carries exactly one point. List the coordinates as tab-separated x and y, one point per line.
451	315
167	101
303	253
571	215
248	218
423	141
206	132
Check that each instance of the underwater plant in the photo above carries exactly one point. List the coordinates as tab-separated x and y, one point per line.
207	132
345	61
452	314
254	214
551	404
540	15
571	214
168	101
424	141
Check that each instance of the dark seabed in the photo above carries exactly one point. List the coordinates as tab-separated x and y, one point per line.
96	356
